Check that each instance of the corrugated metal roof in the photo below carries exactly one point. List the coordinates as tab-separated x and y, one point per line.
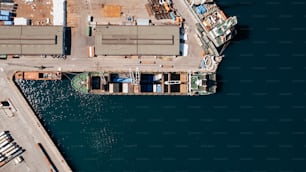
31	40
137	40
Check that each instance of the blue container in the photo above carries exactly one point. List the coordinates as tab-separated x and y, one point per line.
201	9
4	13
158	88
8	23
172	16
4	18
122	80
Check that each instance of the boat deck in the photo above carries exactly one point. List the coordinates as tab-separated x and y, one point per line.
144	83
38	75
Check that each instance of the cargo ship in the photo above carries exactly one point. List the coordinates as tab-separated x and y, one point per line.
38	75
145	83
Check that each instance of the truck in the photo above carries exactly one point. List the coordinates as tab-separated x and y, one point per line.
16	153
88	31
10	149
7	146
2	159
3	133
89	18
4	136
5	142
91	51
11	152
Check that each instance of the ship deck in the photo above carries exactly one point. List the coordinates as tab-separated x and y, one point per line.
144	83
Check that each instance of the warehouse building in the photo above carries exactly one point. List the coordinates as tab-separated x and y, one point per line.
32	40
137	40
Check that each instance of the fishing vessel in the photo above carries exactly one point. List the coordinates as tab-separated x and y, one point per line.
145	83
38	75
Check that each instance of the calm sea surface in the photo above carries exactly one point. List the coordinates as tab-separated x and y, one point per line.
257	121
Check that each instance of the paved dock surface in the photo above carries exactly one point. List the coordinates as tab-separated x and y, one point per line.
26	130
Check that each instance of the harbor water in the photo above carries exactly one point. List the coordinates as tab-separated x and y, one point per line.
256	121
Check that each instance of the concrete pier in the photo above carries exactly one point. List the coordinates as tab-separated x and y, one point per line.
26	130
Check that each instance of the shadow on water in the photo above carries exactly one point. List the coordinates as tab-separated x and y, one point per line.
219	84
243	32
228	5
68	40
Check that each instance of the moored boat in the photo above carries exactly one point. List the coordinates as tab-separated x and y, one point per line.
145	83
38	75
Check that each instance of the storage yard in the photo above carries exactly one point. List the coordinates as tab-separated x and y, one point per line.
38	12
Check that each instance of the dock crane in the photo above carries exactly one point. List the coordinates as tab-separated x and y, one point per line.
135	77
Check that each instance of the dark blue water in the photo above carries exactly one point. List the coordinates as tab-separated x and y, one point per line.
256	122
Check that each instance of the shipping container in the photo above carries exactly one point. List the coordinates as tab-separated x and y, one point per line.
7	146
9	149
4	18
6	135
13	151
21	21
16	153
125	88
4	12
157	88
172	15
8	23
3	133
2	159
3	56
143	22
91	51
5	138
4	143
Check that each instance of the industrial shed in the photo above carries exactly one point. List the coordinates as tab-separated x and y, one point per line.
137	40
31	40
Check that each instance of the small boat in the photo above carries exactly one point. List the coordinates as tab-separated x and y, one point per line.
38	75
